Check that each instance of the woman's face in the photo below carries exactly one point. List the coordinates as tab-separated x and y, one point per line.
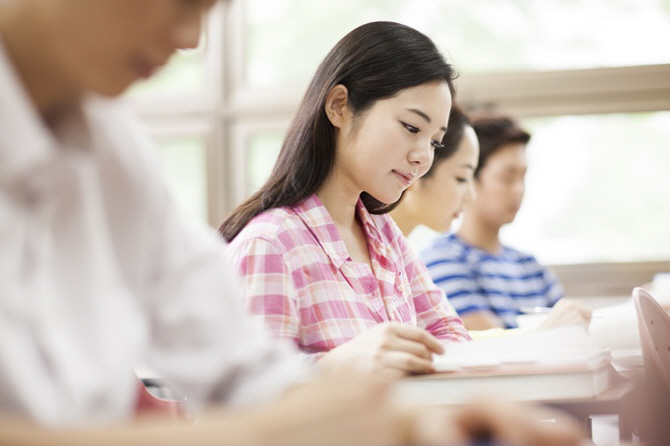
389	146
500	185
105	45
437	200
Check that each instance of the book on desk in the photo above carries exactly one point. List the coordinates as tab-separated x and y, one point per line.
547	365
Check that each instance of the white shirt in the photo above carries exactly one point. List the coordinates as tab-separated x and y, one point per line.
99	273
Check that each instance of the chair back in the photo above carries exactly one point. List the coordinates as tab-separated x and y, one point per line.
654	326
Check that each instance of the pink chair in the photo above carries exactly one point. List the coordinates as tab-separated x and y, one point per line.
652	414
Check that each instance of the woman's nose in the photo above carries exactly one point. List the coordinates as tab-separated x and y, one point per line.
420	158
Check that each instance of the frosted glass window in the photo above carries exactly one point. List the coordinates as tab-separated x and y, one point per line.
597	189
263	149
286	40
185	166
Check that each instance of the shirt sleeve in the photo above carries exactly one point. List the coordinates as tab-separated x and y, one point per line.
555	290
434	313
203	343
457	280
267	286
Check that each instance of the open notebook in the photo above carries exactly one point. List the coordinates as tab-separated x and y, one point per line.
557	364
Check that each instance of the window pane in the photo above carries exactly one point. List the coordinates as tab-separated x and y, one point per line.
491	36
184	73
263	149
185	164
597	189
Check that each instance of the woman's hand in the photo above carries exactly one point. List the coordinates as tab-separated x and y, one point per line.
392	349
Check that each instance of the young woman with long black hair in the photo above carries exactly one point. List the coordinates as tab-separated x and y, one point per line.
322	262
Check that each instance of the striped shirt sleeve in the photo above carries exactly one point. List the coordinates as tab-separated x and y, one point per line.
458	281
555	288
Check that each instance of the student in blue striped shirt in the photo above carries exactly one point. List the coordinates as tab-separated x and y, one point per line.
487	282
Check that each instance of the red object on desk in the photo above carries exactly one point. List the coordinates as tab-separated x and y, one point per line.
149	404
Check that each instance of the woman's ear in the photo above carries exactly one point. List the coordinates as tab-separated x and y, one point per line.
336	106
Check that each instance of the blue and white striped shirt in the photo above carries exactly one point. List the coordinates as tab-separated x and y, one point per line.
475	280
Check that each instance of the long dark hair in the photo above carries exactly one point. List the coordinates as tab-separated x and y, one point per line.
374	61
451	140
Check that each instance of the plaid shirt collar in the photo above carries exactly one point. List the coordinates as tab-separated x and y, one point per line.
317	218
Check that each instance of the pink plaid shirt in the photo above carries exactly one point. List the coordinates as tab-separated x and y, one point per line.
299	280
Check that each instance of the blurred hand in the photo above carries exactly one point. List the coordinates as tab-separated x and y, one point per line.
391	349
356	410
568	312
336	411
498	422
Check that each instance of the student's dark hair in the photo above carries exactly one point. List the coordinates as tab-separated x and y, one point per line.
374	61
494	131
452	138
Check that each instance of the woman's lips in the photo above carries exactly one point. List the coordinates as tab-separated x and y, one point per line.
407	179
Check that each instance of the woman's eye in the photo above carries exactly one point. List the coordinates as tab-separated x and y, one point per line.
410	128
461	180
437	145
